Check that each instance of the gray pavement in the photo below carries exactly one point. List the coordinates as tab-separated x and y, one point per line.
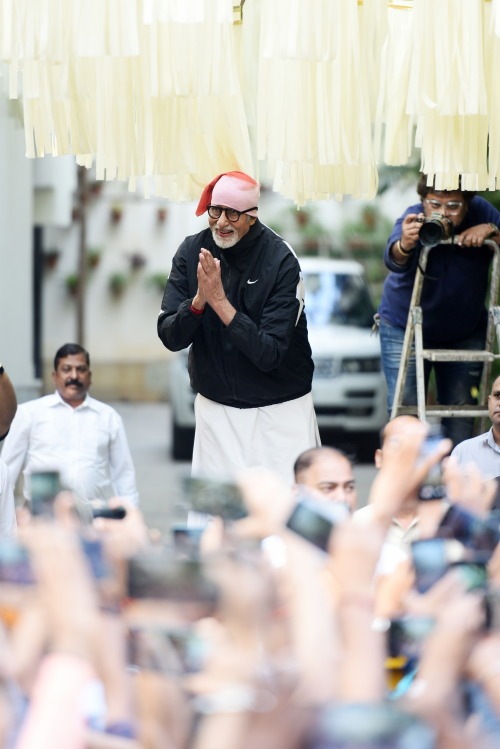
159	478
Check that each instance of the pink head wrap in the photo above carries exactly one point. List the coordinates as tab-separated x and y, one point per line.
232	189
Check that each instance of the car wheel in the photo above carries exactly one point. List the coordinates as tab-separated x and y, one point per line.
182	442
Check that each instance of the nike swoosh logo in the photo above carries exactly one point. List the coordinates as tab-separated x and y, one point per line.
252	281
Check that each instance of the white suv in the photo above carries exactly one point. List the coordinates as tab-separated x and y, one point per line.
348	386
349	390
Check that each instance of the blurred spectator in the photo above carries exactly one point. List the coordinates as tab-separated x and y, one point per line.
234	651
328	472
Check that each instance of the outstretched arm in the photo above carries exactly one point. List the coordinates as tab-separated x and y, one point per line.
8	403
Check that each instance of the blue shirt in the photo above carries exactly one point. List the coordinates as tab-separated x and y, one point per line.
455	284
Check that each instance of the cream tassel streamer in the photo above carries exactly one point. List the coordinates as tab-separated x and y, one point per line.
314	128
449	91
393	140
145	88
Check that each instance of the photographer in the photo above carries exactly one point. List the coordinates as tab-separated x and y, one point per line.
453	294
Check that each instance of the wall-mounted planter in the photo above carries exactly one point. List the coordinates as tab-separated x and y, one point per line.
161	214
93	258
50	259
137	261
95	188
72	283
117	284
158	281
115	214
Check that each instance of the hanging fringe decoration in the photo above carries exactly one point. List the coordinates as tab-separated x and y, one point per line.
314	125
311	95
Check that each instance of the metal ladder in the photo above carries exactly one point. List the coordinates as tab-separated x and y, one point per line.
413	332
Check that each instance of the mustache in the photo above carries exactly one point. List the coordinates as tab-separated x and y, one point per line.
77	383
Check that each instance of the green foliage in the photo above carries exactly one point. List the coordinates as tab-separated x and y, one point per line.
364	239
72	282
492	196
117	283
158	280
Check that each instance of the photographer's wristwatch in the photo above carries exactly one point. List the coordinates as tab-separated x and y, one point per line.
494	230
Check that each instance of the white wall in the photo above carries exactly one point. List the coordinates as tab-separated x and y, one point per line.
120	333
16	207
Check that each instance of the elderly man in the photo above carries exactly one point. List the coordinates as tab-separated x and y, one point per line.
235	294
81	437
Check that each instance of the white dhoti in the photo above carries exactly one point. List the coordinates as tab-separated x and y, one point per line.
229	440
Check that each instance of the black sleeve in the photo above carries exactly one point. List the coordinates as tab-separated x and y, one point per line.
177	325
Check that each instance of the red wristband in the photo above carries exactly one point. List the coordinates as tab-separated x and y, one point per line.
196	311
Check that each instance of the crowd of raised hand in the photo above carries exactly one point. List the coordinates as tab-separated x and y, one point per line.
114	637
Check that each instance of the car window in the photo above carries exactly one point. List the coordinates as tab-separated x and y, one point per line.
339	298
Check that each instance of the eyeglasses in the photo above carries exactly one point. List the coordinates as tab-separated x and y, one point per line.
232	215
454	206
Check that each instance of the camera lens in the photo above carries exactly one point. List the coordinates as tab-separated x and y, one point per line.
431	233
434	230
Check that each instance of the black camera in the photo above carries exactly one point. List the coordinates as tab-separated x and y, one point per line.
435	230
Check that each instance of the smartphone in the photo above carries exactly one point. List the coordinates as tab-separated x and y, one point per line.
406	634
15	566
492	605
432	487
185	538
315	520
160	575
430	562
379	725
433	557
110	513
16	569
44	488
474	532
96	558
213	497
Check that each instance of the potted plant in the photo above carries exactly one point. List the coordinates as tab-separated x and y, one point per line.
93	257
117	283
50	258
137	261
158	280
161	214
116	213
95	187
72	283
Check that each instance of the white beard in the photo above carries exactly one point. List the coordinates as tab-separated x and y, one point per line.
224	244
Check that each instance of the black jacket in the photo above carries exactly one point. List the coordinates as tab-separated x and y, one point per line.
263	356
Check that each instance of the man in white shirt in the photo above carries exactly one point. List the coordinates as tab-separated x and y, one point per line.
71	432
8	522
484	450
